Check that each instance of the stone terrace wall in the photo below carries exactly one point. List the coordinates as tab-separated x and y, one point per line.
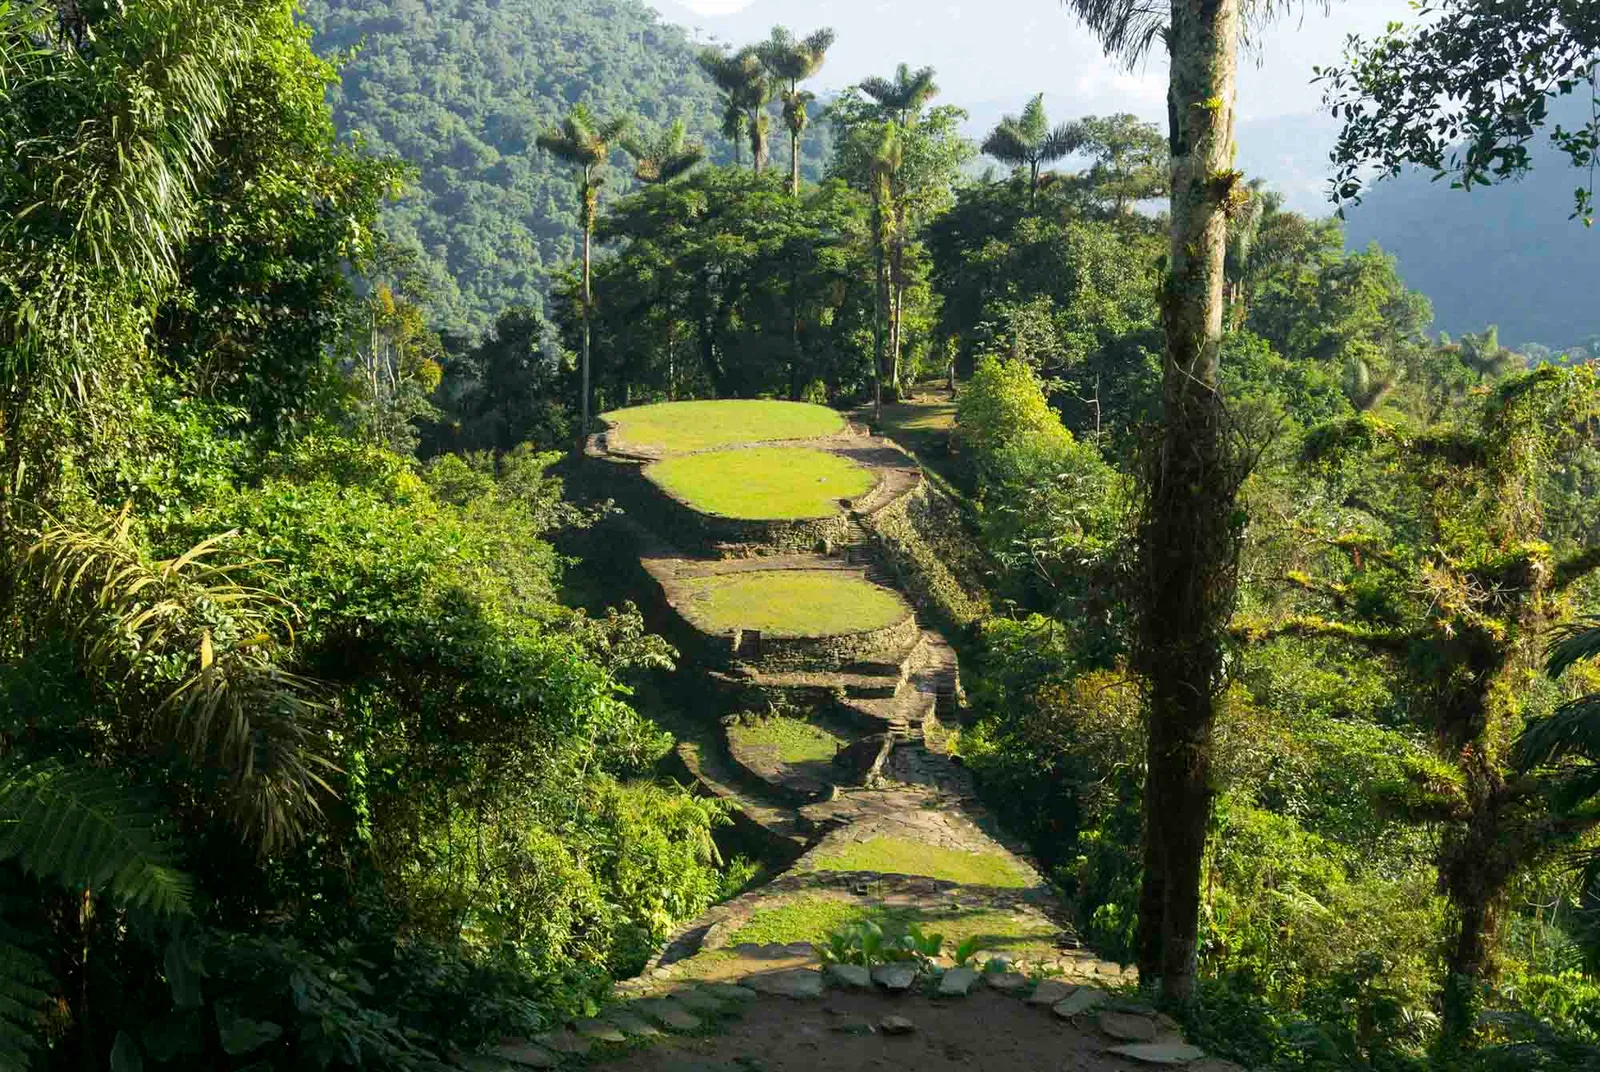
907	535
707	535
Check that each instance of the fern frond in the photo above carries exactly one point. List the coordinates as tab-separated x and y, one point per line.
24	989
1572	731
1573	643
202	648
84	829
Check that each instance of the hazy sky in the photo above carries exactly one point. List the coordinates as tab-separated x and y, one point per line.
1007	50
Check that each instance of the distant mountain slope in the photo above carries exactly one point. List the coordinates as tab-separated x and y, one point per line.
1503	255
461	88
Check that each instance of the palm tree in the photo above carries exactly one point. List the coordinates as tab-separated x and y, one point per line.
899	101
663	158
902	97
1029	140
746	90
791	61
585	142
1188	538
887	157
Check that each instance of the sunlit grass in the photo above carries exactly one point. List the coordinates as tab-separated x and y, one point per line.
671	427
795	740
763	483
795	603
813	919
898	856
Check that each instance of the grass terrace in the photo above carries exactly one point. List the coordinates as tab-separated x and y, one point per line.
791	740
763	483
677	427
897	856
793	603
814	918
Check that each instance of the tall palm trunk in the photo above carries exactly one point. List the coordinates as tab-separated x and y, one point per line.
880	300
1188	538
794	162
588	301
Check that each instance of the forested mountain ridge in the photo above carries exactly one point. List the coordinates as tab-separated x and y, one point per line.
459	89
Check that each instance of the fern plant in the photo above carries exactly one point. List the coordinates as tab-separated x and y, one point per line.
80	829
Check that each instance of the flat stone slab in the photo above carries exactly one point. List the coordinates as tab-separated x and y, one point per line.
697	1001
1008	981
896	1025
527	1055
1159	1053
794	983
896	978
631	1025
667	1013
849	976
729	992
599	1030
956	982
1079	1001
564	1042
1051	992
1128	1026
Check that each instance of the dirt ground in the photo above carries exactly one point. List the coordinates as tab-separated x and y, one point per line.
984	1032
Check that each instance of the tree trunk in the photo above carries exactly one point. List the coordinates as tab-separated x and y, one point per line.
896	305
588	232
880	299
1188	543
794	163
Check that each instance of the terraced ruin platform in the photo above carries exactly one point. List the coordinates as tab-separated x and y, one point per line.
835	703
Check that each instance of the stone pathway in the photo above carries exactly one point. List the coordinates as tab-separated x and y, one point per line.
893	832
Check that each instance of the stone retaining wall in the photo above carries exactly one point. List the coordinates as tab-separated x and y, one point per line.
708	535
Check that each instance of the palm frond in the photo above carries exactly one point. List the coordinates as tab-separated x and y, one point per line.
83	828
1573	643
1126	28
201	649
1572	731
1064	140
1005	144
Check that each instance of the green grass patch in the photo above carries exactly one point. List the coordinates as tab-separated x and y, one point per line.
672	427
763	483
794	603
796	740
813	919
897	856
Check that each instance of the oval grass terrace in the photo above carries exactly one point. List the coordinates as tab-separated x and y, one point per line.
788	603
762	483
665	428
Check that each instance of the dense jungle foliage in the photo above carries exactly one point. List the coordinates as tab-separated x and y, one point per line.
461	89
307	757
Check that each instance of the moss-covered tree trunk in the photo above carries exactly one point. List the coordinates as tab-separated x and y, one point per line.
1188	534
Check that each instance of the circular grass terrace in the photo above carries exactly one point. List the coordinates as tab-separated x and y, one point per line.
789	602
762	483
680	427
